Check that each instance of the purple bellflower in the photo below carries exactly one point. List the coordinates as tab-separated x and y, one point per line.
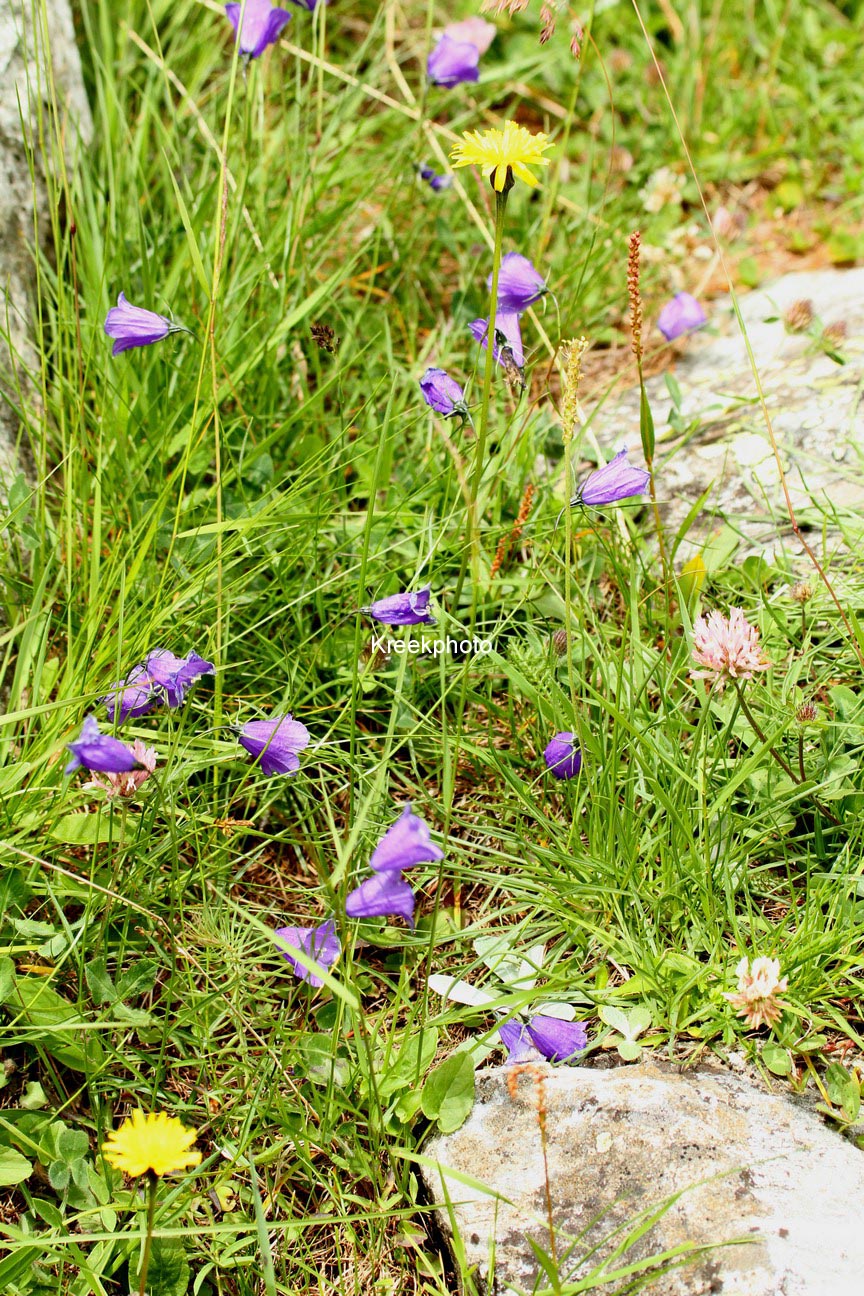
133	696
563	758
261	25
615	481
133	326
403	609
518	1043
443	394
382	894
681	315
100	752
277	742
406	842
452	62
433	179
172	675
519	284
508	336
557	1040
320	943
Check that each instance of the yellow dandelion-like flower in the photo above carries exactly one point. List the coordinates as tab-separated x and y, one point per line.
155	1144
496	152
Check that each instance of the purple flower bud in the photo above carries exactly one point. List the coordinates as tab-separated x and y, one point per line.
443	393
382	894
403	609
261	25
173	675
518	1043
557	1040
100	752
320	943
681	315
276	741
616	480
451	62
405	843
563	758
435	181
506	326
519	284
133	696
133	326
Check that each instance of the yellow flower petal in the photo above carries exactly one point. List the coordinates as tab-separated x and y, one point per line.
495	151
155	1143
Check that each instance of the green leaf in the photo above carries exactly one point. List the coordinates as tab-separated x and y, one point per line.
629	1050
646	426
14	1168
99	983
59	1175
52	1022
34	1097
843	1090
169	1273
72	1145
86	829
777	1059
412	1062
448	1094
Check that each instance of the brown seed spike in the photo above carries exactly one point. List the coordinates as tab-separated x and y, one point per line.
635	295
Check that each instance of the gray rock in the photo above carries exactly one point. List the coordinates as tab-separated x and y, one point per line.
40	81
755	1170
814	403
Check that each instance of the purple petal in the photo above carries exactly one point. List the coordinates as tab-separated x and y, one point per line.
100	752
505	324
405	843
276	742
320	943
452	62
519	284
261	25
382	894
403	609
133	696
434	180
681	315
557	1040
133	326
518	1044
563	758
616	480
442	393
174	675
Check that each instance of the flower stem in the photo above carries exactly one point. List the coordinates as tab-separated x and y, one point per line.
781	760
480	451
148	1241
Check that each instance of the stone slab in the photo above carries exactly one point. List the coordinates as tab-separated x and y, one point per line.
757	1171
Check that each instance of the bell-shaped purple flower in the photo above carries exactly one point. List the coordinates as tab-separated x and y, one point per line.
508	335
563	758
443	393
173	675
380	895
557	1040
616	480
681	315
519	284
433	179
277	742
261	25
319	943
405	843
100	752
403	609
133	326
518	1043
452	62
133	696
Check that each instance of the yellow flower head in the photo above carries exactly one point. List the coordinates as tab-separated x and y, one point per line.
156	1143
496	152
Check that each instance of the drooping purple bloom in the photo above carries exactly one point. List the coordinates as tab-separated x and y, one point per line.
133	696
405	843
506	327
681	315
563	758
277	742
173	675
319	943
433	179
133	326
261	25
443	393
100	752
519	284
518	1043
403	609
557	1040
380	895
452	62
616	480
